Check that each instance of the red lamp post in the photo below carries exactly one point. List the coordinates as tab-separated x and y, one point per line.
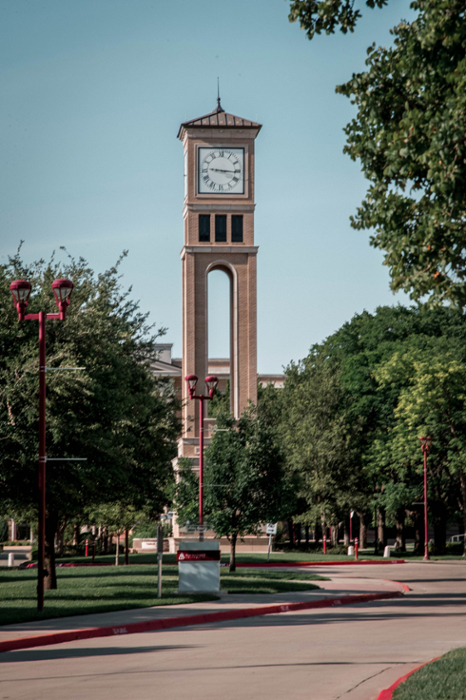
20	290
211	383
426	444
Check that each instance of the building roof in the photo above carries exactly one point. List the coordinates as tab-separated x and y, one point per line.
219	118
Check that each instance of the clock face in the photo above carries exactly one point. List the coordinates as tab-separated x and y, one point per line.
221	170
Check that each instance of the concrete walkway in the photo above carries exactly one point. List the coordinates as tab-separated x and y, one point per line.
339	585
344	653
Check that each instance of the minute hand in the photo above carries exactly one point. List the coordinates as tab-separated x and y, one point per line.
219	170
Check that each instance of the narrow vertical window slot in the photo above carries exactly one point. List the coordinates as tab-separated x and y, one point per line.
204	228
220	228
237	228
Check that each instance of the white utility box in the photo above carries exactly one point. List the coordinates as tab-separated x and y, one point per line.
198	566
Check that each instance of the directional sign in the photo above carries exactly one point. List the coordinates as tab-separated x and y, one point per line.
271	528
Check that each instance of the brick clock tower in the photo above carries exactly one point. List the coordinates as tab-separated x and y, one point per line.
218	235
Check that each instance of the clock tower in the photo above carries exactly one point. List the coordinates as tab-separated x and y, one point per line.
218	217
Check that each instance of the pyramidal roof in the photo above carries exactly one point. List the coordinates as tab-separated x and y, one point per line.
219	118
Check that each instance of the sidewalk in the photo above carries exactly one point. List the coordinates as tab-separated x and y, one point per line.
335	591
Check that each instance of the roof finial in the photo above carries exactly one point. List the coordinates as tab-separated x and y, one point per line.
219	106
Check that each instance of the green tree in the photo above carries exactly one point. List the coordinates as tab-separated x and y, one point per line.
339	420
245	481
317	16
114	413
409	137
432	401
320	441
118	517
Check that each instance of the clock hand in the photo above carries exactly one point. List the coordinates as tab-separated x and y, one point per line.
219	170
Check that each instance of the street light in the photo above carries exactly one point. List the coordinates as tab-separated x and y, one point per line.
211	384
20	290
426	444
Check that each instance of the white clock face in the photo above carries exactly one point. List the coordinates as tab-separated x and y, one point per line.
221	170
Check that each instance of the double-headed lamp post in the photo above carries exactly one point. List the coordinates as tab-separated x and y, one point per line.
426	444
20	290
211	383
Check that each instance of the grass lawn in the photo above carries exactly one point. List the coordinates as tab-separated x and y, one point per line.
444	679
104	589
275	557
254	581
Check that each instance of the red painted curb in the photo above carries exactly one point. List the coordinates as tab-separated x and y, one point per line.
187	620
388	692
320	563
404	586
245	565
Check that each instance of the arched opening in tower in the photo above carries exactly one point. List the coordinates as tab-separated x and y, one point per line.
219	294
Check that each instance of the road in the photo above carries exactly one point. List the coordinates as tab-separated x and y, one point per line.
351	652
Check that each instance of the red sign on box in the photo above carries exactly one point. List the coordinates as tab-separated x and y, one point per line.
199	555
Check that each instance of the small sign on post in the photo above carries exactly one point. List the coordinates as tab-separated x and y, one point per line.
270	530
159	559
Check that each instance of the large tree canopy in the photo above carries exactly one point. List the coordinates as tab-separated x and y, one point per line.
409	135
113	413
355	407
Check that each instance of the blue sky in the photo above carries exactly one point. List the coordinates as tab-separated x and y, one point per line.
93	95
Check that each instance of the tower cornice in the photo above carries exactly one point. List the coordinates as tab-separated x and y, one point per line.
218	120
219	250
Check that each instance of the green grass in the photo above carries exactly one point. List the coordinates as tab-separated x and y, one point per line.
444	679
107	589
254	581
275	558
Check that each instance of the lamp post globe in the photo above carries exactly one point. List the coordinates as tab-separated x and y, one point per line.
20	291
62	289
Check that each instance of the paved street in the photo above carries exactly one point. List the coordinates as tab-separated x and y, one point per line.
351	652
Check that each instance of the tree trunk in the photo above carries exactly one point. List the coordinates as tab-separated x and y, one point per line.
233	552
463	495
439	512
105	540
50	578
346	533
298	532
381	540
317	533
117	555
61	539
324	529
126	547
362	531
418	522
334	535
291	532
400	542
307	535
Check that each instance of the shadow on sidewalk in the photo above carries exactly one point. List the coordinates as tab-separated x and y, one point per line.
54	654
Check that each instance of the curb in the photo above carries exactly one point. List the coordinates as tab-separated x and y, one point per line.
388	692
187	620
364	562
404	586
243	565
